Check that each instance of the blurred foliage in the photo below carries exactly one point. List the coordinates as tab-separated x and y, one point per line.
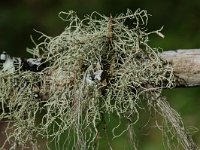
180	19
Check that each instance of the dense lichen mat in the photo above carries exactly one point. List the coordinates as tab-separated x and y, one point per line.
97	66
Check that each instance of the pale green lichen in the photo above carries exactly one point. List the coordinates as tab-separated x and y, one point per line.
67	103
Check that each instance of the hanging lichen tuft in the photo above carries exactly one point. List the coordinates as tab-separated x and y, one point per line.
97	66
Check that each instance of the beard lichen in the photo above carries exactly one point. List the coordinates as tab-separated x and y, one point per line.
98	66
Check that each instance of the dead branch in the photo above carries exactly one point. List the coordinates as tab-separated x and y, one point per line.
186	65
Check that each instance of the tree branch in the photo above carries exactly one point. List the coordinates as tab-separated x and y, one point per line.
186	64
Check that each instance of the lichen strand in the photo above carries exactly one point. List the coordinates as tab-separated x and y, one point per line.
70	98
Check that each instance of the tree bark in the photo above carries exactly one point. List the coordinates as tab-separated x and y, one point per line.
186	65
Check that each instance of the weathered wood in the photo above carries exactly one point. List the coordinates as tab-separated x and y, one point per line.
186	65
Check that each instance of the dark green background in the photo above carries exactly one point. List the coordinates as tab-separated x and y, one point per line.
180	18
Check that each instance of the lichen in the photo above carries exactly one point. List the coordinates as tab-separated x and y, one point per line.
97	66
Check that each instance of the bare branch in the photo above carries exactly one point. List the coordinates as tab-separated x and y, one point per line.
186	65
